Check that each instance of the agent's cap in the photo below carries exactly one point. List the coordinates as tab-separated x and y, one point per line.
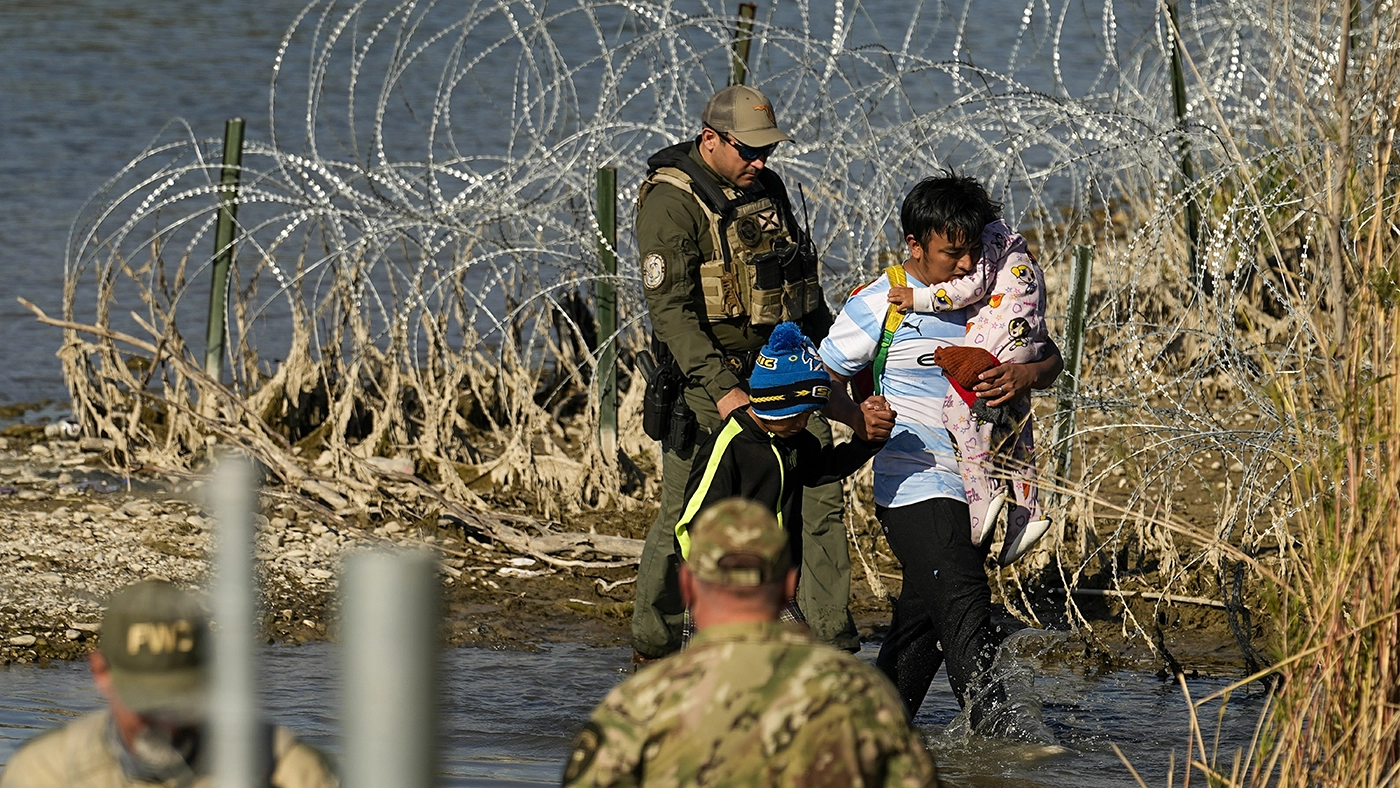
745	113
738	543
154	638
788	376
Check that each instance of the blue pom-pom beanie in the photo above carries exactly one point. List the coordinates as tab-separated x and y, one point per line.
788	377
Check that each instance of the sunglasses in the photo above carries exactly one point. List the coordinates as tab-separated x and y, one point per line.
745	152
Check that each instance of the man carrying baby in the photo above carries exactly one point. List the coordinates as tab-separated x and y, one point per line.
1004	300
944	607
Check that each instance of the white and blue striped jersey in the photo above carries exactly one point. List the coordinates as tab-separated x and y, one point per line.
918	463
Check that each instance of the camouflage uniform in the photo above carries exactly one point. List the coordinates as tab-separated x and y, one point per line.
750	703
674	238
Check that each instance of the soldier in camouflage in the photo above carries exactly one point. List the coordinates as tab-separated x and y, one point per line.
724	260
750	702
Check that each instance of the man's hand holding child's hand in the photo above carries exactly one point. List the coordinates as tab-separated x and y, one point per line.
879	418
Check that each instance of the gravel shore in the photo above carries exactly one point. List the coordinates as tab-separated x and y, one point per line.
72	531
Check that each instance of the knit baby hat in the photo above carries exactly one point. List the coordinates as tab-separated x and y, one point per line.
962	365
788	377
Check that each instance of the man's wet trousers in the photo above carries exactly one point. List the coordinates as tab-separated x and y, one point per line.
944	608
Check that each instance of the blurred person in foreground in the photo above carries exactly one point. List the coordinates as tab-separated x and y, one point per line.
751	701
152	667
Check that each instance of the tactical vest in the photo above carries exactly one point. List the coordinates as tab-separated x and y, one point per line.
764	265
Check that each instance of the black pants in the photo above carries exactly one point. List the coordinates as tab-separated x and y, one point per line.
944	608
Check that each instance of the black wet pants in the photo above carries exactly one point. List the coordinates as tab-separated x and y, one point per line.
944	608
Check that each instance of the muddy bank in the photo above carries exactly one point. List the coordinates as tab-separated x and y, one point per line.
72	531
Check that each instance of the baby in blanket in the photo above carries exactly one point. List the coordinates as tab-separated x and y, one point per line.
995	445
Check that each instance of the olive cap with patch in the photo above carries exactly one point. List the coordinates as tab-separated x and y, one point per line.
155	638
739	543
745	113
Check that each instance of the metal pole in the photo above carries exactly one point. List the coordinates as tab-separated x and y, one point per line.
240	755
607	310
743	36
223	248
1074	351
1188	169
389	632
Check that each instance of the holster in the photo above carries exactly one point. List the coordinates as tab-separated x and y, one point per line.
665	415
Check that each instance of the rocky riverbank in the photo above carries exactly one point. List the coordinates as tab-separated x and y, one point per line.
72	531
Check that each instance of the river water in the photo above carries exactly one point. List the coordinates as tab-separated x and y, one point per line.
508	718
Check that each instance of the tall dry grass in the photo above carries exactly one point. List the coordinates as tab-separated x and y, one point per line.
1338	716
1334	603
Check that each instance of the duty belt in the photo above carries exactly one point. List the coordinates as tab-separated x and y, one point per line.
741	364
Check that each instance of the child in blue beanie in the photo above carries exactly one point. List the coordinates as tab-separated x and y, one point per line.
763	452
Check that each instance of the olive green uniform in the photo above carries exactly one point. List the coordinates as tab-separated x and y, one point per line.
79	755
752	704
674	240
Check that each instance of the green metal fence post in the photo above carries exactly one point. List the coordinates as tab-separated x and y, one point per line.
1074	352
606	291
743	36
1188	169
223	248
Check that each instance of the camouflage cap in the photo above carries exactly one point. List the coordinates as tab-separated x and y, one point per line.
745	113
154	637
738	542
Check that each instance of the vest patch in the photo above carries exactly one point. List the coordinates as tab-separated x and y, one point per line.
748	231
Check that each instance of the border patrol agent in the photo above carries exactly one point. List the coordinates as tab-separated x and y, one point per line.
151	667
751	702
724	260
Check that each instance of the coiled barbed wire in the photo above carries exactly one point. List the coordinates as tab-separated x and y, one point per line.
417	237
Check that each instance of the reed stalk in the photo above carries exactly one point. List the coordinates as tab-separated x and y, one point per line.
1334	603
